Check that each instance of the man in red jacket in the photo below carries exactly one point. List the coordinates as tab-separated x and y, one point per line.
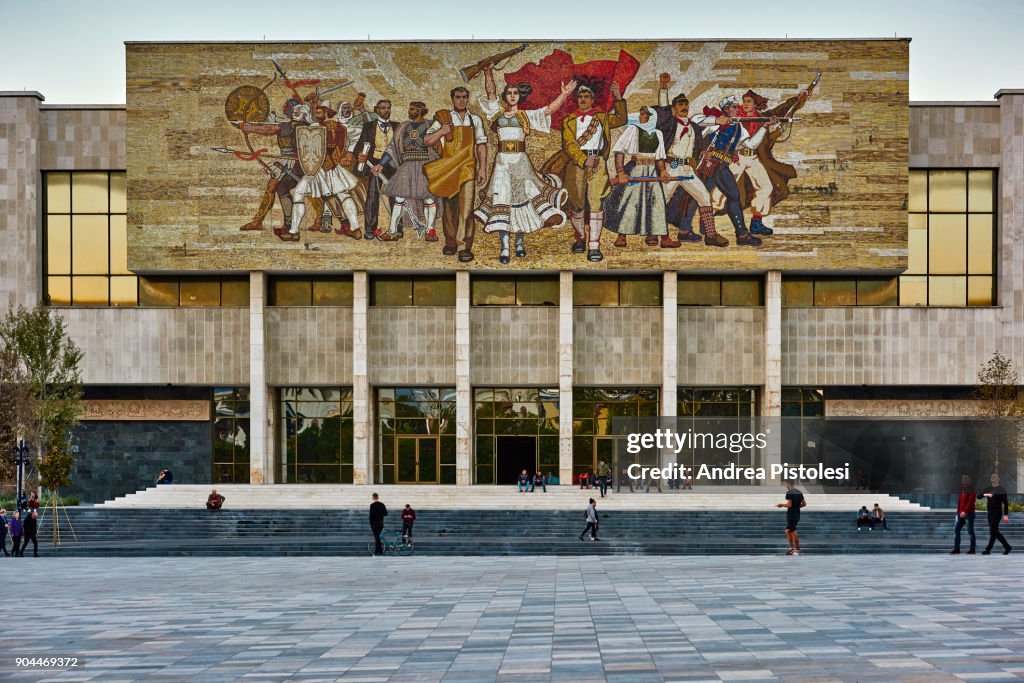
965	514
408	517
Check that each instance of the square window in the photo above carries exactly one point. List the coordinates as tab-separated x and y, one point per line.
947	191
89	193
90	291
947	291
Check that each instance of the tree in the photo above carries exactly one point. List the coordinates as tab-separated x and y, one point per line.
1001	403
16	406
48	361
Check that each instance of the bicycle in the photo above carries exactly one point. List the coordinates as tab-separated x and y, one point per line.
392	542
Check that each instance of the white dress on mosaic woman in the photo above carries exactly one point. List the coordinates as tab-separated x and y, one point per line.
517	199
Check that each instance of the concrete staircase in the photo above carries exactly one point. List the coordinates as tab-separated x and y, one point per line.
111	532
566	498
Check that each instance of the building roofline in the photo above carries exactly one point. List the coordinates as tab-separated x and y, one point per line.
50	107
951	103
906	39
22	93
1009	91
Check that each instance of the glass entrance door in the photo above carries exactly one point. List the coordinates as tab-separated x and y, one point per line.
417	460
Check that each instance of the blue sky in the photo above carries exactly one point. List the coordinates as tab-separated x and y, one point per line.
73	52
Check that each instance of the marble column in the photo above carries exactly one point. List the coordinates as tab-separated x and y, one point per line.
670	343
565	363
261	469
463	390
362	427
771	392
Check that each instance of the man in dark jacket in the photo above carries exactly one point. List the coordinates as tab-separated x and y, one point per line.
377	514
3	531
408	518
998	511
31	527
965	514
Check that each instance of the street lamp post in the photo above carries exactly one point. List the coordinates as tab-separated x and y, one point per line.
19	454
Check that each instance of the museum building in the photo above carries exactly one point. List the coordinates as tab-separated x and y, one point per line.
466	377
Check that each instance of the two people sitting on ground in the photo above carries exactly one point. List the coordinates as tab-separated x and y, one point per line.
214	501
871	518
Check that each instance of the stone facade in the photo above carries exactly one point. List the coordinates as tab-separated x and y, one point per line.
411	346
514	345
309	346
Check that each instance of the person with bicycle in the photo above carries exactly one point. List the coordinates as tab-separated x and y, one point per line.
377	514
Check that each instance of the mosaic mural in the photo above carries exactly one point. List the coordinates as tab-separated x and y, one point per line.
743	155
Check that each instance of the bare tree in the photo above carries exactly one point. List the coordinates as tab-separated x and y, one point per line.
1001	402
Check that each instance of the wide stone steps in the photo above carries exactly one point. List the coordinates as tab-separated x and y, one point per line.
302	496
157	532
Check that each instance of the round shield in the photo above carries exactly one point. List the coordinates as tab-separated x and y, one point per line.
247	103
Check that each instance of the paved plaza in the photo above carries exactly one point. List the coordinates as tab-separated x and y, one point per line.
631	619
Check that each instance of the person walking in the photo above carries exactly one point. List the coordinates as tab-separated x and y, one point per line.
31	526
794	501
408	518
377	514
592	521
998	504
603	472
965	514
4	531
16	530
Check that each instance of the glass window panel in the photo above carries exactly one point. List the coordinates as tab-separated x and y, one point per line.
595	291
89	193
58	245
234	292
947	244
157	291
947	291
58	289
947	191
58	192
537	291
90	291
979	244
391	291
89	245
918	192
742	292
118	201
699	291
124	290
433	291
877	291
287	292
828	292
331	292
917	243
200	292
980	191
797	291
979	291
119	245
640	292
493	292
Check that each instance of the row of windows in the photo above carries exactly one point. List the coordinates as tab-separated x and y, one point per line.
951	255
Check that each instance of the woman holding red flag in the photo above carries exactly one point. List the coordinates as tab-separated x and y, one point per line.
517	200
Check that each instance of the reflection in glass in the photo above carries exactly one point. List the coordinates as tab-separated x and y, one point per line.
878	291
289	292
742	291
433	291
89	193
980	228
58	192
979	290
124	290
158	291
332	291
595	291
89	245
835	292
387	290
640	291
234	291
90	291
797	291
698	291
947	191
493	291
947	238
119	245
947	291
196	292
58	289
58	245
913	290
537	291
917	243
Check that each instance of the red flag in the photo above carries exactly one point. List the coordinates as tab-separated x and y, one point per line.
547	76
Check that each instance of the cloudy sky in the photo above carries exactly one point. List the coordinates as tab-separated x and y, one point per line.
73	51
